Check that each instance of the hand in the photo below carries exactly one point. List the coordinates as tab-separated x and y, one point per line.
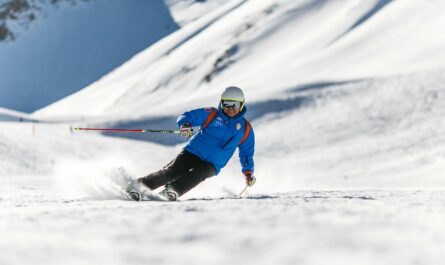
186	130
250	179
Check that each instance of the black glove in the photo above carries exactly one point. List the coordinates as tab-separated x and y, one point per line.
250	179
186	130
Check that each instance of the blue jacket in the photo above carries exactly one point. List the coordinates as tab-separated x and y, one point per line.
218	141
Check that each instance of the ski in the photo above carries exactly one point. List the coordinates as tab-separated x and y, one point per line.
136	191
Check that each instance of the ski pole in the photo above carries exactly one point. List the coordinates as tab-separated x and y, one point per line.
245	188
126	130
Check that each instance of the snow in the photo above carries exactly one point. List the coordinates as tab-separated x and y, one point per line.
11	115
372	133
304	227
107	32
347	102
186	11
246	51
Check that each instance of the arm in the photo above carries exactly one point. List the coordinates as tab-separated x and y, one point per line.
195	117
246	152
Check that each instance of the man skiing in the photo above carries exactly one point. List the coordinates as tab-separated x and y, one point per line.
208	151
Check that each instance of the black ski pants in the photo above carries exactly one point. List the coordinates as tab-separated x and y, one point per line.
182	174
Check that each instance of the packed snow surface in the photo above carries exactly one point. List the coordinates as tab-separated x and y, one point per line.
304	227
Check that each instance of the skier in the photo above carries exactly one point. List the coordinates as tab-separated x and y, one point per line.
208	151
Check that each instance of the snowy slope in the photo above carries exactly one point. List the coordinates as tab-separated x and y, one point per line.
315	44
11	115
293	87
135	78
304	227
351	135
352	130
186	11
69	46
379	133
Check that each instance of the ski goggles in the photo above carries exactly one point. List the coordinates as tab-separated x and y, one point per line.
231	104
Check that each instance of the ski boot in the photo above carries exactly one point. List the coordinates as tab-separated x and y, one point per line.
169	193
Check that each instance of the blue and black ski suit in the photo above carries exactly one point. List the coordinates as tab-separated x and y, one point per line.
208	151
219	140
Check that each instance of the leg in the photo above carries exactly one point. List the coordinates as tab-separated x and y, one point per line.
192	178
183	162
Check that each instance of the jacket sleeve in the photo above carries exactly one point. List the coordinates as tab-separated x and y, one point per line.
195	117
246	151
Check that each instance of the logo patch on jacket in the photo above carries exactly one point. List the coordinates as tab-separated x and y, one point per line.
238	126
219	121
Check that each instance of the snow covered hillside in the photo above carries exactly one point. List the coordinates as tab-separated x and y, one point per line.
67	45
187	11
332	93
268	47
11	115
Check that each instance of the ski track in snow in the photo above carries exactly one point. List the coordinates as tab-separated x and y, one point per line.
302	227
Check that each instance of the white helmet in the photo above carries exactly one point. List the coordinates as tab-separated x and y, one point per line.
233	93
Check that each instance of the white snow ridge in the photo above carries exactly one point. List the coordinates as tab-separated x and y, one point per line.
347	100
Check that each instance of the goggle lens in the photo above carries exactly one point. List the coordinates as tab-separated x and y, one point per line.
230	104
